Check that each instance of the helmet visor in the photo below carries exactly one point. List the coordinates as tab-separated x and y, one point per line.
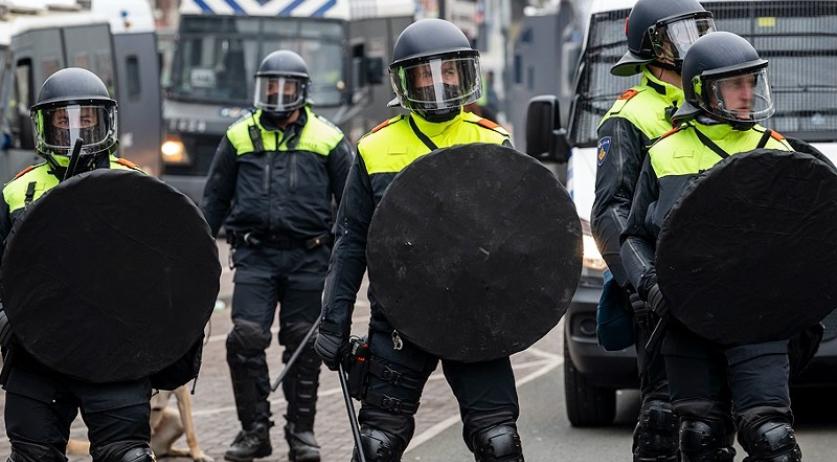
673	39
437	84
57	128
742	97
279	93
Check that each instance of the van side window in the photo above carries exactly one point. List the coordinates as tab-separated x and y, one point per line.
133	77
21	125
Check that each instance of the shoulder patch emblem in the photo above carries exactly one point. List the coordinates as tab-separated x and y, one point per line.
604	149
24	171
777	136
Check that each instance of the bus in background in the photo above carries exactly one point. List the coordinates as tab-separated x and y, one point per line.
218	46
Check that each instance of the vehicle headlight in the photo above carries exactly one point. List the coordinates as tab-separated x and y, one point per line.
174	152
592	257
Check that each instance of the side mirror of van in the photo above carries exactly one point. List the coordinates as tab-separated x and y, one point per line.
545	139
374	70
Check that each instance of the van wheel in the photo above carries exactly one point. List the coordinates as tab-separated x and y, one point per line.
587	406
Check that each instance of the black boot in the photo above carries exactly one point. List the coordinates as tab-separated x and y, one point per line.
300	388
250	444
303	446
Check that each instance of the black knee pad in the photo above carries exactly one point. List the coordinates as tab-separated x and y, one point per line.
379	446
499	443
655	435
770	442
247	337
292	333
138	455
33	452
705	442
123	451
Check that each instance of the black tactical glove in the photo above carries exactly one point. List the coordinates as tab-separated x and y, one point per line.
638	305
332	348
656	301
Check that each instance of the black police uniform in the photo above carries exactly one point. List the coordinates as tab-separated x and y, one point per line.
397	369
40	403
273	189
707	379
637	119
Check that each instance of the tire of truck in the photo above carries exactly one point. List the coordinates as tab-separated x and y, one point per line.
587	406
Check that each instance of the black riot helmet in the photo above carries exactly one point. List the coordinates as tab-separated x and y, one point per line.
725	78
434	70
660	32
281	83
74	104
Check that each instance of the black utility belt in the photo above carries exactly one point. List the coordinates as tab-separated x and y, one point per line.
276	241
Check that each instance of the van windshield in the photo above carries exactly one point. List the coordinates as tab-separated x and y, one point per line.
216	57
798	38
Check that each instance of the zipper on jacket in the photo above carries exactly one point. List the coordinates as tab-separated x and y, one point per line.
293	170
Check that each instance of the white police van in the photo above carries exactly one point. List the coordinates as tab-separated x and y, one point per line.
799	40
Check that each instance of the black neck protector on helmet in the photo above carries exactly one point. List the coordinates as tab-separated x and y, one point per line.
439	116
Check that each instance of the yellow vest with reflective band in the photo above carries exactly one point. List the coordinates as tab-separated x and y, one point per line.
392	146
318	135
645	107
15	191
681	152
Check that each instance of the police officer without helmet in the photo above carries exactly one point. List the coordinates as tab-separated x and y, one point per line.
41	404
659	35
271	185
726	95
434	73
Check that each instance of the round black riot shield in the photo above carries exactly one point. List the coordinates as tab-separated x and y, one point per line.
474	252
748	252
109	276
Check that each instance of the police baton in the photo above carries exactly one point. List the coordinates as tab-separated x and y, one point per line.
350	409
652	346
294	356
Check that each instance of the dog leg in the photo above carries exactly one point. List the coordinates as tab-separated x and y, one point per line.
184	405
78	448
167	431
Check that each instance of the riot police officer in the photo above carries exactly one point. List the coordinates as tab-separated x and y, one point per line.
434	73
271	184
41	404
659	34
726	95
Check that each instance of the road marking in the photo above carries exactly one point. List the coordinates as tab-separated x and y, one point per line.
336	391
452	420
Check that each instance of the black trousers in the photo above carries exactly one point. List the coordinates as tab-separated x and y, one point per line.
712	382
653	381
485	391
293	279
40	407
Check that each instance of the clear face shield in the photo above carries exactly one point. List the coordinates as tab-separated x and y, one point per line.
57	128
671	40
740	98
279	93
437	84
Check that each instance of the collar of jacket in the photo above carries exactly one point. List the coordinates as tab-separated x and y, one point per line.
672	94
717	131
433	129
266	124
